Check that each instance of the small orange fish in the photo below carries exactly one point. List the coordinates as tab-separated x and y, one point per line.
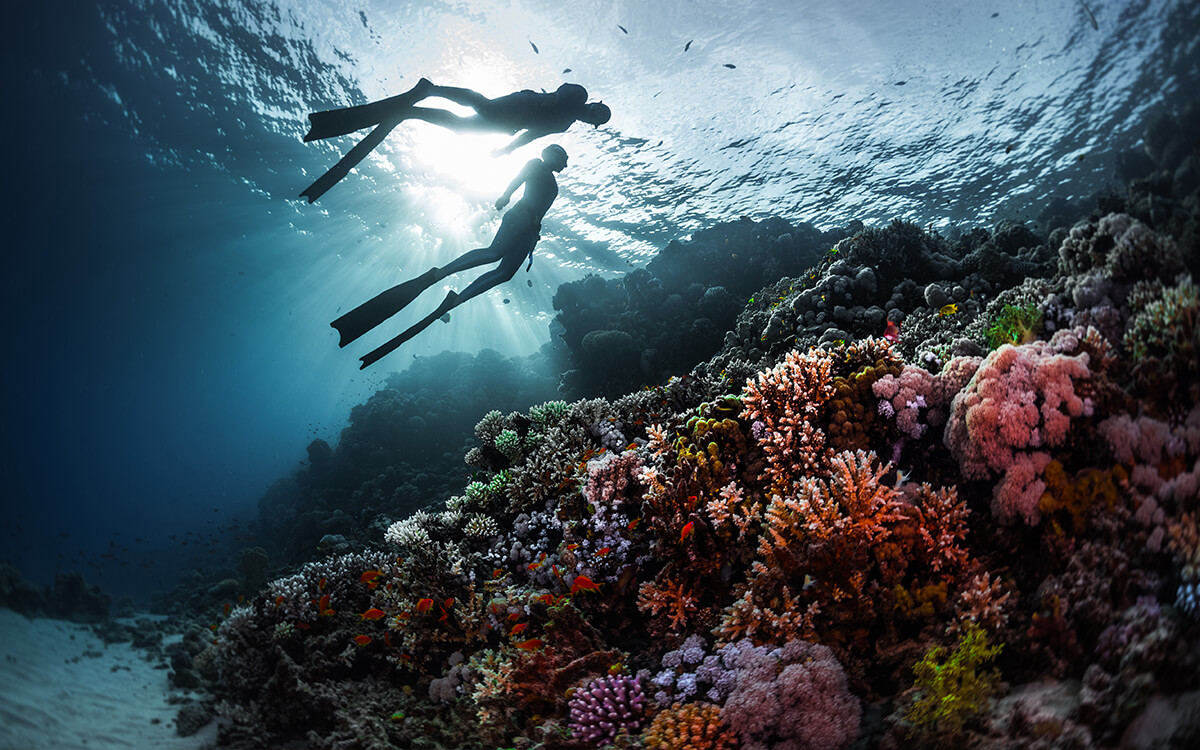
530	645
514	616
546	599
603	551
303	625
533	566
227	608
687	530
583	583
497	573
448	603
634	523
518	628
213	627
362	640
572	546
323	606
424	605
321	584
374	613
370	575
279	600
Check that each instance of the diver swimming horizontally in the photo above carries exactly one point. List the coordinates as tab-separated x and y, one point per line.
528	114
514	242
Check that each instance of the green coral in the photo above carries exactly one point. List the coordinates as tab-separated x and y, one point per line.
1014	325
549	413
951	689
508	442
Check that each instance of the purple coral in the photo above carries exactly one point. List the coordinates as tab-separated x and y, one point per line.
606	706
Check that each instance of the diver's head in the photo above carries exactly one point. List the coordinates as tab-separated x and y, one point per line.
572	94
555	157
596	113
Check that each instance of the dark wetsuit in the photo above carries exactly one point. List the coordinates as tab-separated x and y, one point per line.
518	233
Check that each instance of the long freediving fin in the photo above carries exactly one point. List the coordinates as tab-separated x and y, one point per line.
381	307
348	162
374	356
334	122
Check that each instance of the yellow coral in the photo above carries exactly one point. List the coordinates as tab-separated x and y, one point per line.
694	726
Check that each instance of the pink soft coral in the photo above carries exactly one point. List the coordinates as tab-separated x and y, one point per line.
1021	399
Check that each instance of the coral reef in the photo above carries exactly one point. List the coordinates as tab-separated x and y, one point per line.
820	536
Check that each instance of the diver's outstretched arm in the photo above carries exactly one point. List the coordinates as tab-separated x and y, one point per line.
528	136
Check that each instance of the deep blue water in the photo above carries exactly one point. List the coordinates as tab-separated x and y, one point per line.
169	297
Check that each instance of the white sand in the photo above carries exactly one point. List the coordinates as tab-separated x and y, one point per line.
53	696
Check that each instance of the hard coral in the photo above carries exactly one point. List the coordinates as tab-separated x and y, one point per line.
695	726
606	706
784	405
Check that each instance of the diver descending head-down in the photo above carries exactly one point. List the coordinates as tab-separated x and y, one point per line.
527	114
513	243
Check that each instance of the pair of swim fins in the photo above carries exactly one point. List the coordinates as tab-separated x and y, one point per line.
386	304
384	114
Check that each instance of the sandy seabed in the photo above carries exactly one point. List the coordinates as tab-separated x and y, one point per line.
61	688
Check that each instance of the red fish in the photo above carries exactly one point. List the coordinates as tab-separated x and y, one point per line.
362	640
321	584
374	613
448	603
634	524
530	645
583	583
892	332
370	575
518	628
603	551
279	600
226	608
323	606
424	605
687	530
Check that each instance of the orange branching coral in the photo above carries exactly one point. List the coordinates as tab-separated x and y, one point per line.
733	516
985	602
784	618
675	598
944	527
825	520
1185	545
784	404
694	726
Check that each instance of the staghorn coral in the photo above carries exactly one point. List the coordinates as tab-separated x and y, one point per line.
784	405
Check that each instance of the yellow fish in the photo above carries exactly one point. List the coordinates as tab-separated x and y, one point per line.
949	309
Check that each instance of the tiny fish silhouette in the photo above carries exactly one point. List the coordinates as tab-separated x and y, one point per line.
731	66
688	46
535	49
566	70
622	28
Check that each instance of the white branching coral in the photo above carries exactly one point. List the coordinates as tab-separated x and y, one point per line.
481	525
410	532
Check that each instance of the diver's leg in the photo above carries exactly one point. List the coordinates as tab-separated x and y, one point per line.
465	97
449	120
470	259
495	277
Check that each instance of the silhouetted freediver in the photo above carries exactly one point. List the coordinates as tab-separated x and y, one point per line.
513	243
529	114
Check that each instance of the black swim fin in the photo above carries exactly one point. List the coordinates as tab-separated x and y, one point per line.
381	307
334	122
447	305
348	162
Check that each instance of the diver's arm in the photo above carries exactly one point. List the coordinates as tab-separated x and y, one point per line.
516	183
528	136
